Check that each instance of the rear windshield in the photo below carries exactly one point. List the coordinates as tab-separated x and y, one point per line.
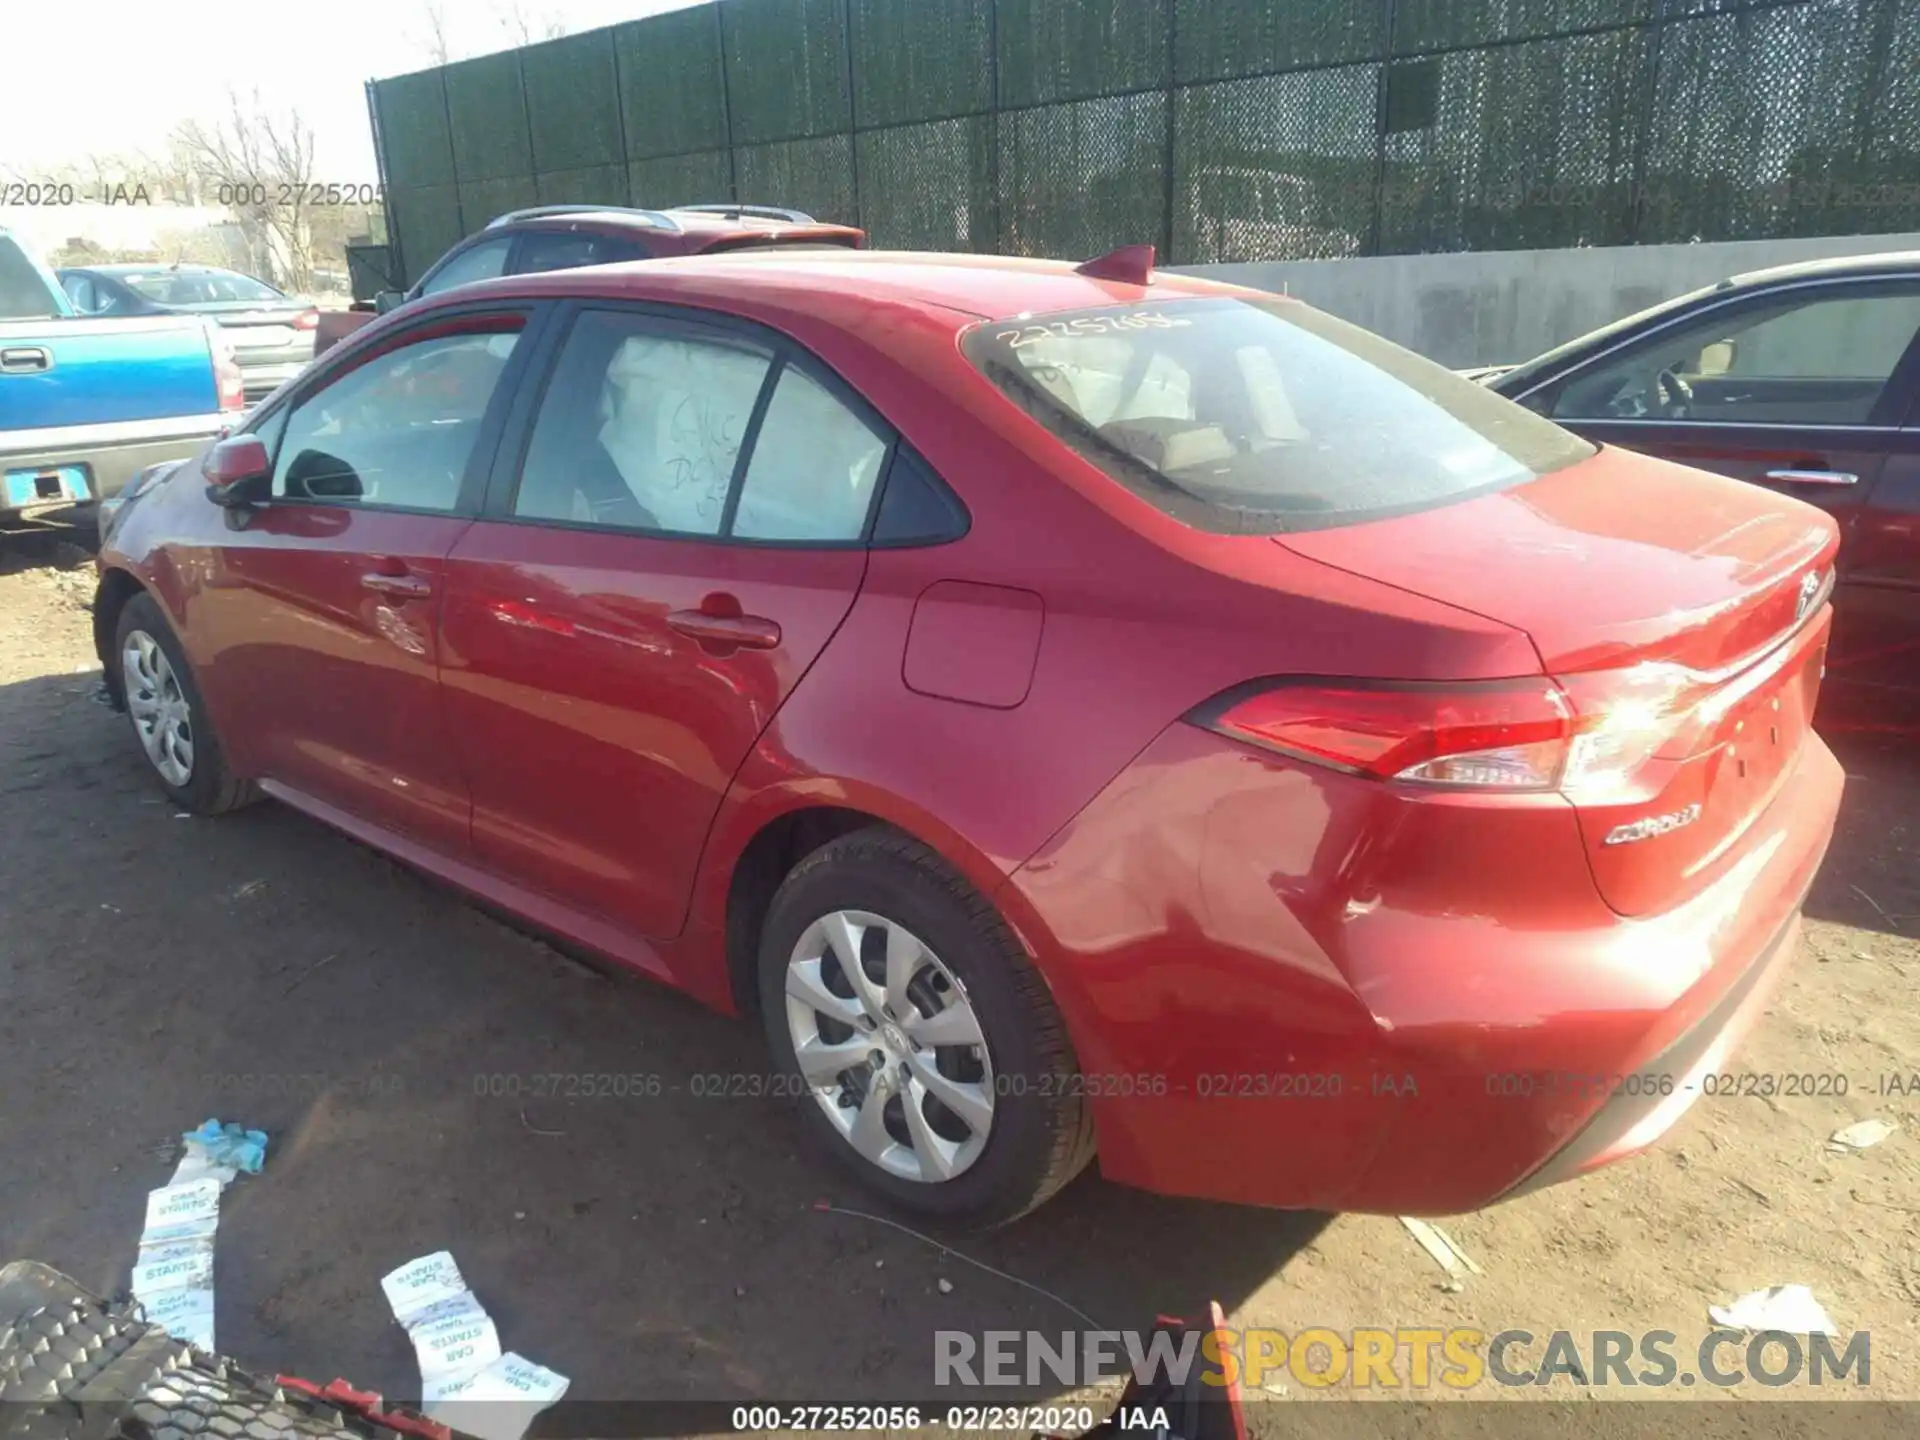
1249	416
204	287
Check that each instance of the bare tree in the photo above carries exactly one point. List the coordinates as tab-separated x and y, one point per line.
525	29
433	19
259	165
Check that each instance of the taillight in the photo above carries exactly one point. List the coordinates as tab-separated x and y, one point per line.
231	384
1628	720
1507	734
1592	736
307	320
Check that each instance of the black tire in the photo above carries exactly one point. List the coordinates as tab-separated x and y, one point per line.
211	787
1041	1134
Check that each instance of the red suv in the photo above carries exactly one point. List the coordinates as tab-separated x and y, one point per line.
1079	709
560	237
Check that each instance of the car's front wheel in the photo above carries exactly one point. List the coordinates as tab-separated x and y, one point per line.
930	1057
169	717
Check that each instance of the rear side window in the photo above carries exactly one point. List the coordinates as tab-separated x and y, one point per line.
1244	416
813	468
641	426
542	250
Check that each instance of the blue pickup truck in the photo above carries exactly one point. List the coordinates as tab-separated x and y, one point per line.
86	404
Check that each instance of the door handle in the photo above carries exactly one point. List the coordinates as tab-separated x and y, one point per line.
1813	477
25	360
405	587
749	632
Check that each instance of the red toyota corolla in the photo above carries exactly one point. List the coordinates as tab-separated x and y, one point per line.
1081	710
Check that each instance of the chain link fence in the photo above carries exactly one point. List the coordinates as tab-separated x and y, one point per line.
1220	130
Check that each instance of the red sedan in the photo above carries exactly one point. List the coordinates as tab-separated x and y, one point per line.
1079	709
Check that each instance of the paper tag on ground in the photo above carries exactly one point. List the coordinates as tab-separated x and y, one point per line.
180	1265
182	1212
455	1345
421	1284
184	1314
501	1401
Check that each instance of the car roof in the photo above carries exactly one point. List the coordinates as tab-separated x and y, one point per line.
698	224
1887	262
155	267
1519	378
981	286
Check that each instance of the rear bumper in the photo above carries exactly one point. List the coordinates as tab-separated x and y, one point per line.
1295	988
110	463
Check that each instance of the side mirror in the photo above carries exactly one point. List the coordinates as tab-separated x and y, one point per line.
229	467
387	300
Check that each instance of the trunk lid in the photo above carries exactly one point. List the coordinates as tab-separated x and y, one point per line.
1686	604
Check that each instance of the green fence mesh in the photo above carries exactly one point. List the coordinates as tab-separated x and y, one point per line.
590	185
786	68
921	59
814	175
1081	179
671	85
1215	41
411	119
487	109
705	178
1220	130
929	187
573	104
1052	50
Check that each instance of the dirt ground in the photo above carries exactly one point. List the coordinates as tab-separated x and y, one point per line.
156	970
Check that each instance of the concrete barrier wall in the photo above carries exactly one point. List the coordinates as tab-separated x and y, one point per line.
1502	306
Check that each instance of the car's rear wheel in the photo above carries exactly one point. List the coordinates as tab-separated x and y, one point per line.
168	716
931	1059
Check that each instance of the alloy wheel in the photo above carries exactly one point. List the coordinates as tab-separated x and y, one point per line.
890	1046
162	717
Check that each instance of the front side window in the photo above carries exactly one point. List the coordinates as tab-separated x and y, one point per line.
479	262
397	430
1238	415
80	291
1796	360
641	426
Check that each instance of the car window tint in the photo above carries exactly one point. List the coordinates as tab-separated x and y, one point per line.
640	427
397	430
813	467
80	291
270	430
563	251
1248	415
482	262
1822	360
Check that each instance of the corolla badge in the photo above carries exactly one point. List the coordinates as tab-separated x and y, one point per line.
1648	826
1809	592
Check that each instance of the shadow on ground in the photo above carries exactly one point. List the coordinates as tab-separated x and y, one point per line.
398	1044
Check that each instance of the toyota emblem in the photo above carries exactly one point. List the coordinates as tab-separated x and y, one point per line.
1809	592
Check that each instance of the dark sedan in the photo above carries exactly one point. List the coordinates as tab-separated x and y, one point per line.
272	332
1803	379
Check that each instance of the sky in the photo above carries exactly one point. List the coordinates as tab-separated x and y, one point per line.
120	81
